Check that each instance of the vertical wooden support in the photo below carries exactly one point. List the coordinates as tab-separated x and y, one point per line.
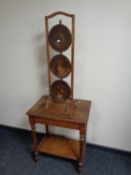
48	51
72	56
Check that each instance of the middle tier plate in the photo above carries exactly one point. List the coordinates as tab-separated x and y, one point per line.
60	66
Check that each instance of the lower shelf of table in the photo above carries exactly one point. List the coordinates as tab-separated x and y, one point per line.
59	146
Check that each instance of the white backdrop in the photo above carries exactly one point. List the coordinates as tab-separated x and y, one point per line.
102	64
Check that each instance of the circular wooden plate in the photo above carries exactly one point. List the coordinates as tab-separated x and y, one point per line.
60	38
60	91
60	66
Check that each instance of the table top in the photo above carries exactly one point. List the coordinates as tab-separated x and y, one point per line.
78	113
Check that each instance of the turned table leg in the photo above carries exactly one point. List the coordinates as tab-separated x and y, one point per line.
82	148
47	130
34	139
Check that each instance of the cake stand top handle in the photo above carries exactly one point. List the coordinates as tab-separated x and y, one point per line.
59	13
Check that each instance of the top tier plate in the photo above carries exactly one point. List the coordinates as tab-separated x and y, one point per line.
60	38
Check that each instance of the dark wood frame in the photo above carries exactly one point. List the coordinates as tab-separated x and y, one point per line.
72	16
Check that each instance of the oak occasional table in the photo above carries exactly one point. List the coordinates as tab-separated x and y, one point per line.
75	117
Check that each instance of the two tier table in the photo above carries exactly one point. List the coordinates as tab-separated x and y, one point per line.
74	116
